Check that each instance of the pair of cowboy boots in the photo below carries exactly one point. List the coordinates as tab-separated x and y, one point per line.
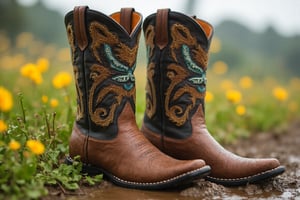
173	147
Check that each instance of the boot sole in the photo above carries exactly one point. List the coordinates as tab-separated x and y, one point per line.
248	180
178	181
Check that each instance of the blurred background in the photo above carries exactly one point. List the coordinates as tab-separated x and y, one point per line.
259	37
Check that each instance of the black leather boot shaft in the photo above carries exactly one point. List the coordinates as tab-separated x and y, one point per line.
177	49
104	50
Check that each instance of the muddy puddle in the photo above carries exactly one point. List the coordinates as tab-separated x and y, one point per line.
273	189
286	186
284	146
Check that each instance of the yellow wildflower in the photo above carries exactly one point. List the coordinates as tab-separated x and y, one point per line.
3	126
240	110
280	93
6	100
42	65
219	67
36	77
246	82
62	79
234	96
209	96
31	71
44	99
27	69
35	147
14	145
53	103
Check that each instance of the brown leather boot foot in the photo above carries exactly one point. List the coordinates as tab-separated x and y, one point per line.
228	169
180	181
130	160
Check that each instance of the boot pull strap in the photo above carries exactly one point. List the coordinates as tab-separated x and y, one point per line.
126	18
79	26
161	28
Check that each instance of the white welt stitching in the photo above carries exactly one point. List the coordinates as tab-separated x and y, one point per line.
158	182
243	178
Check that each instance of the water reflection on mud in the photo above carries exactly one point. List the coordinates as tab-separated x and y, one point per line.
114	192
201	190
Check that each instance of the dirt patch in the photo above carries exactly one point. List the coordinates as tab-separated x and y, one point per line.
284	146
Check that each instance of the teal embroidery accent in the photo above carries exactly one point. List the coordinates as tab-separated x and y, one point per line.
201	80
148	53
115	64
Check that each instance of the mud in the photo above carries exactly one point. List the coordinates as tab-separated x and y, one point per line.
284	145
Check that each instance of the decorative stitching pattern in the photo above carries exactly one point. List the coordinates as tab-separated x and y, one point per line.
102	114
115	64
149	38
71	40
180	35
100	35
80	107
200	81
182	41
151	102
70	35
121	59
150	91
177	113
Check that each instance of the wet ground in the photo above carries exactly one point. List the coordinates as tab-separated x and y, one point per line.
284	145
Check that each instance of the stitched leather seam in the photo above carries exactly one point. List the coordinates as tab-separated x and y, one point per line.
79	20
161	38
126	18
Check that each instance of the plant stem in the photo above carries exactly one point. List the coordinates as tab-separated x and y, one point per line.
47	124
22	107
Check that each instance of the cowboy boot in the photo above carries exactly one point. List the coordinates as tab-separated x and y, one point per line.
177	49
105	134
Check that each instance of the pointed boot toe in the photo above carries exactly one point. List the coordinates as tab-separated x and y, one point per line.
248	171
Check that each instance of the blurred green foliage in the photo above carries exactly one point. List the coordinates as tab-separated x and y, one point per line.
47	25
260	53
242	49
